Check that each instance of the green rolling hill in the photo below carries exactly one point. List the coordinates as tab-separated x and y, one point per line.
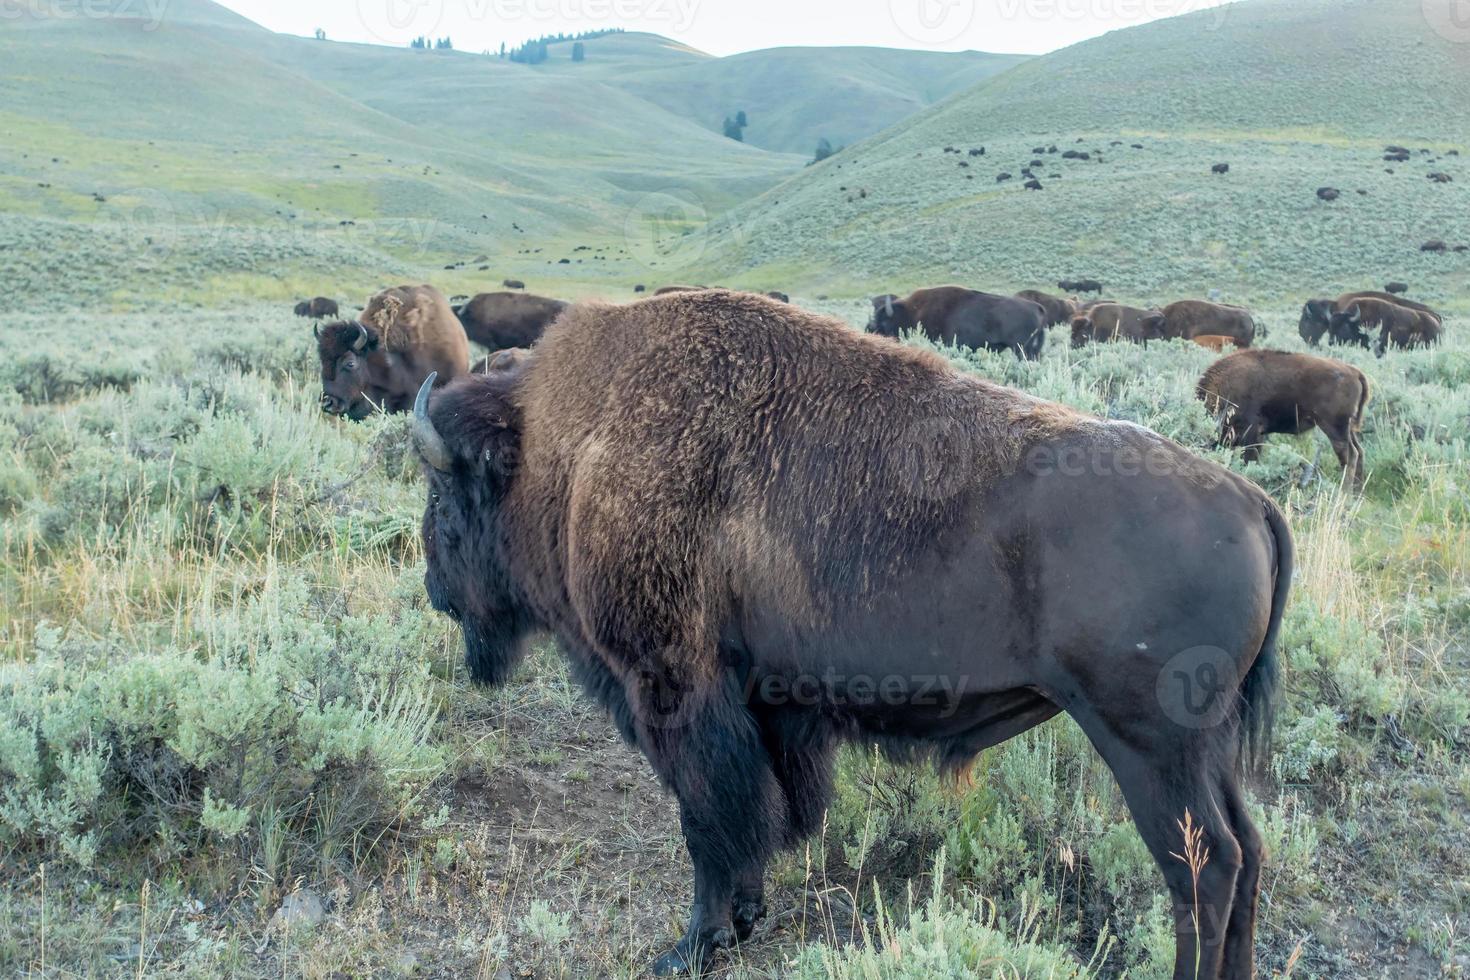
213	159
1294	96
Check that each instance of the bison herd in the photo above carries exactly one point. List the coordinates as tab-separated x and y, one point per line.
757	533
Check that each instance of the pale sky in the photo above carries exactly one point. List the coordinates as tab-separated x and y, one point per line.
725	26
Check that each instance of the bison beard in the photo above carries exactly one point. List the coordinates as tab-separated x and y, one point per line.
715	501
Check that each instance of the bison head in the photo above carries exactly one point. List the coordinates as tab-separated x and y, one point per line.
1346	326
1081	329
1151	326
348	350
891	316
1316	320
470	444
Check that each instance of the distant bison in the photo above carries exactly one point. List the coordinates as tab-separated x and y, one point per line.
317	308
513	284
1106	322
1190	318
1434	245
378	362
966	317
1032	185
1396	287
1398	326
1317	318
1328	193
639	288
1057	309
504	320
1220	168
1002	177
1256	393
1400	156
1080	286
779	296
1441	178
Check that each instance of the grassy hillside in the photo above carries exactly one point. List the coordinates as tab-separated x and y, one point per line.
1293	96
794	96
216	160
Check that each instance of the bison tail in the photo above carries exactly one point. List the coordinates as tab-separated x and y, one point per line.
1258	690
1363	397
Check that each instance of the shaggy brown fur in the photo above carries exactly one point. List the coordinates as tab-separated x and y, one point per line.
504	320
1259	392
1189	318
732	513
1105	322
377	362
1058	309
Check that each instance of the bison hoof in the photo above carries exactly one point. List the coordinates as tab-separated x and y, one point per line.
692	956
745	915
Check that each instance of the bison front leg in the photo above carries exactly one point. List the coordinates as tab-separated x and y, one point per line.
731	812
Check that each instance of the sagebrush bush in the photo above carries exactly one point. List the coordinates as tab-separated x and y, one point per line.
276	710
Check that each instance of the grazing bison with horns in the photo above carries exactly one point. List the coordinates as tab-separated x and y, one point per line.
1255	393
966	317
377	362
1317	319
499	321
756	533
1397	325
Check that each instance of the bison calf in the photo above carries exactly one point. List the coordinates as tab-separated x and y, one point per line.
1255	393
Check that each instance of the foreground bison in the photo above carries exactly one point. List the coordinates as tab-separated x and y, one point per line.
1256	393
1317	318
1057	309
502	320
1190	318
377	362
966	317
1104	322
757	533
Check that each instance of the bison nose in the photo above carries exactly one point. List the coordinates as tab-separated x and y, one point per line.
331	405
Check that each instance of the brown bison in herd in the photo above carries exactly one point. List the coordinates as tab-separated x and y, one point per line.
317	308
1348	320
1256	393
757	534
377	362
1103	322
501	320
967	317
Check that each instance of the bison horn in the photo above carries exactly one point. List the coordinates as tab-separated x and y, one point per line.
425	437
362	338
888	305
